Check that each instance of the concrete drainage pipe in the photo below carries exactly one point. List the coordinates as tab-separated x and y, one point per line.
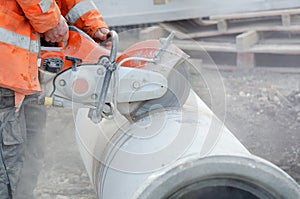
184	153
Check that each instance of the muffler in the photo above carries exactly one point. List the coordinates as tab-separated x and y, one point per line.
175	153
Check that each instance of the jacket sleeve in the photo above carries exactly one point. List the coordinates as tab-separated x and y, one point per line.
83	14
43	15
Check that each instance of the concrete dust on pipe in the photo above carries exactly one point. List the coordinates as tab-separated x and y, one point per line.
175	153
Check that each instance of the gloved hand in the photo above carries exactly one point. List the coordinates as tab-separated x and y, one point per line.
60	33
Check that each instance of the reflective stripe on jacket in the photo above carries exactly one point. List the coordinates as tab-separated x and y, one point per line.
19	42
83	14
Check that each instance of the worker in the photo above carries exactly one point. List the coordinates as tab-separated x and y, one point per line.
22	24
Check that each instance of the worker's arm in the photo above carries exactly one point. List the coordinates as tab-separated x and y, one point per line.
85	15
45	17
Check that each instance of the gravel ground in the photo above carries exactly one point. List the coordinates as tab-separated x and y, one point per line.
264	113
63	175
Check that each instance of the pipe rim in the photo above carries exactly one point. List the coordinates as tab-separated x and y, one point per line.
250	170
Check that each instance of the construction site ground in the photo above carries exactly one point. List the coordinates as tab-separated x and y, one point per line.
262	111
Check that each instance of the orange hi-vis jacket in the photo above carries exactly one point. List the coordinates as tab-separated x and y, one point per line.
21	21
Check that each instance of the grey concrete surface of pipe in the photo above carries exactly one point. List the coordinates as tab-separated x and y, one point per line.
176	153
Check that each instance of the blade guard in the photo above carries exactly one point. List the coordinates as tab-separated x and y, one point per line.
169	61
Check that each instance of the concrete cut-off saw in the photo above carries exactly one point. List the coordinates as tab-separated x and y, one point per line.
81	74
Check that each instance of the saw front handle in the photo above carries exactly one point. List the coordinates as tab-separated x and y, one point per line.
113	36
110	65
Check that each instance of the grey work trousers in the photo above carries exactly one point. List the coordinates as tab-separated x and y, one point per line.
23	148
